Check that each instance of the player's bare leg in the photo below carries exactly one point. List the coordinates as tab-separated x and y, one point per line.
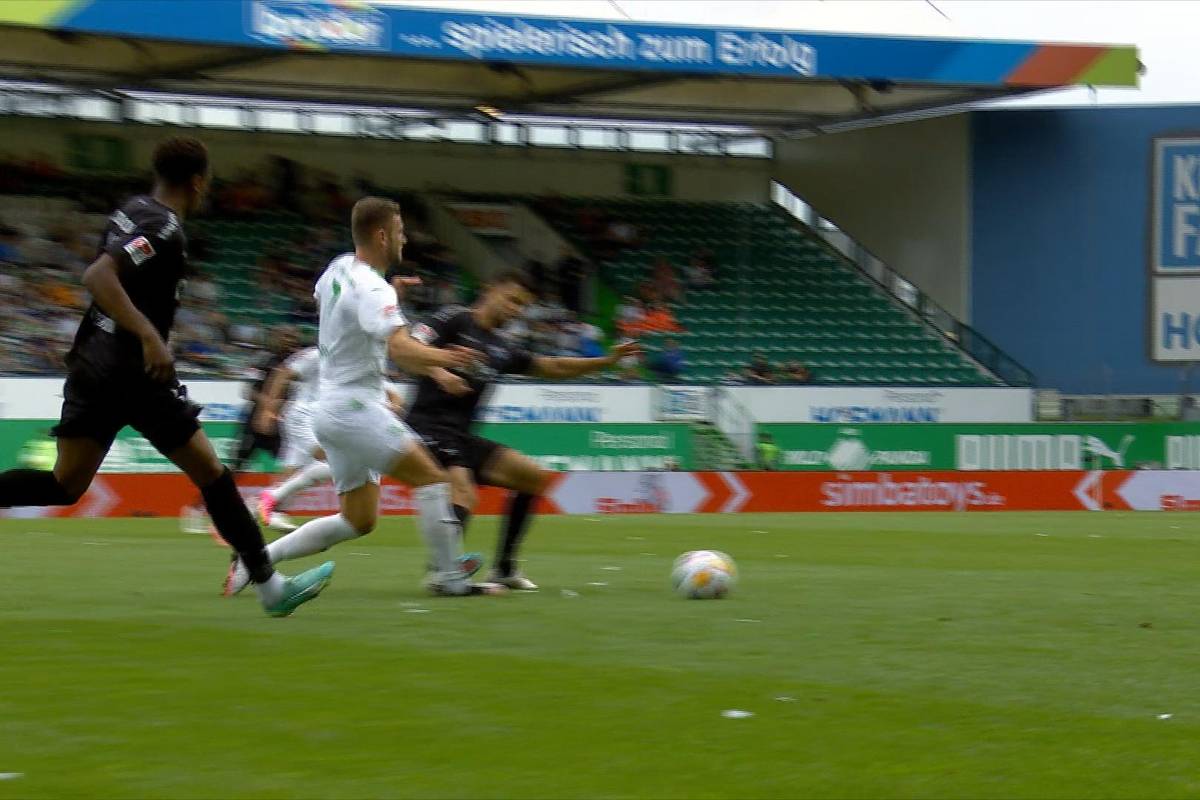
359	514
273	500
78	462
528	481
280	596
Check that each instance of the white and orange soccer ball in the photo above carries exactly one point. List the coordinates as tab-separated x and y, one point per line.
704	574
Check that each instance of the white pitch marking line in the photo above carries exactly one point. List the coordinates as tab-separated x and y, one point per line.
359	554
1165	716
747	620
783	698
736	713
760	531
570	593
11	776
611	569
597	583
98	544
636	538
781	555
416	611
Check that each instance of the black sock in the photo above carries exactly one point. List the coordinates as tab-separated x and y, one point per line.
32	487
520	508
464	515
232	520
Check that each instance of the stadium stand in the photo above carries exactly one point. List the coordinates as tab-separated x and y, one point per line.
730	283
776	291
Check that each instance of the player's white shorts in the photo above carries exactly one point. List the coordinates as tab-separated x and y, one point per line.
299	441
362	439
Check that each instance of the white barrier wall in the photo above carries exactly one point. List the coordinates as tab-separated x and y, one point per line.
41	398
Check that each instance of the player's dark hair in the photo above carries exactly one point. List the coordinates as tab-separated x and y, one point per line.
369	215
514	275
178	159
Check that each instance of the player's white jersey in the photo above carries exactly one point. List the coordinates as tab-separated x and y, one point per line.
306	366
359	312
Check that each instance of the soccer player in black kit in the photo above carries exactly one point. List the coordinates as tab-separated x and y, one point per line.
120	372
443	409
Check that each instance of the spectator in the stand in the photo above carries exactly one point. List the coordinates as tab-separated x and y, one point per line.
548	309
445	293
544	338
591	340
568	338
795	372
245	333
659	319
58	293
669	364
630	315
760	370
518	331
666	285
628	368
697	274
204	290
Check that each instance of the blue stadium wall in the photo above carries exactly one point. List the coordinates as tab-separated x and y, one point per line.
1059	242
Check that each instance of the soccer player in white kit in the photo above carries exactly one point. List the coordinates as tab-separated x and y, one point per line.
303	460
360	326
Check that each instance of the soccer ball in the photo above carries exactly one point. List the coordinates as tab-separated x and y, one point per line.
703	574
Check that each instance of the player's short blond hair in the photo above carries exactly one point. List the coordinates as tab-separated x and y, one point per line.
369	215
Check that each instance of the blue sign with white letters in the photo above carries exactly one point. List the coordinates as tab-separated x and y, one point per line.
356	26
1176	213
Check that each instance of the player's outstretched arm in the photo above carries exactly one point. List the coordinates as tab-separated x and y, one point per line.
102	281
557	368
271	399
420	359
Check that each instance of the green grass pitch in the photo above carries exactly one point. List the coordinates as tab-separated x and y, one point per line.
905	655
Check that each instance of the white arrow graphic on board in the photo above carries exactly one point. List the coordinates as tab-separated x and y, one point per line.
740	493
99	499
1087	492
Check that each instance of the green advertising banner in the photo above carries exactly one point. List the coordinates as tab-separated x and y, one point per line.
1015	446
817	447
612	447
565	446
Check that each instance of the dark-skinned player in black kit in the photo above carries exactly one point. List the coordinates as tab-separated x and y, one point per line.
443	409
120	372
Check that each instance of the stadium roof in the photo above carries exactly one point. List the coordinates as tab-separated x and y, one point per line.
459	62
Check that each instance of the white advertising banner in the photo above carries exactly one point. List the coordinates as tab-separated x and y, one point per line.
857	406
516	402
1175	319
41	398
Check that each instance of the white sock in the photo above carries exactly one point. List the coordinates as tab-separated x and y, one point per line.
439	526
311	537
270	592
311	475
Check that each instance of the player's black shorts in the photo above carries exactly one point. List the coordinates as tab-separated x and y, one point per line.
456	447
97	408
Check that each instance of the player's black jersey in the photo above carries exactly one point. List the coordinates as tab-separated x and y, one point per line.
456	325
147	241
